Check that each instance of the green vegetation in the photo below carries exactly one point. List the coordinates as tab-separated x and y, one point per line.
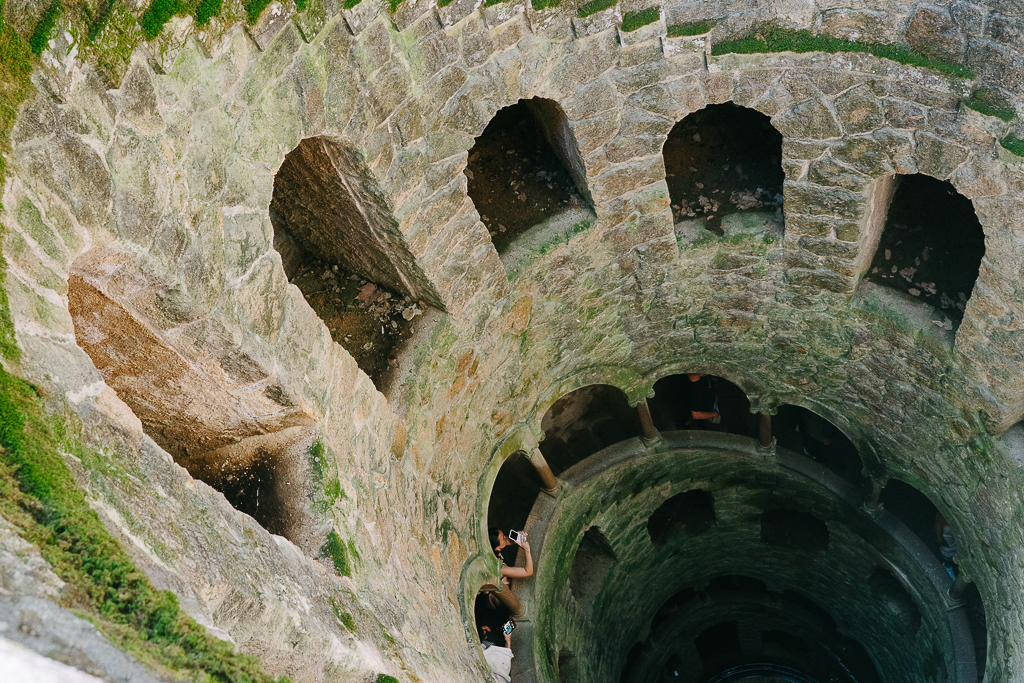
382	678
349	4
987	102
440	3
206	10
301	5
551	244
100	20
542	4
773	38
254	9
1013	144
335	548
39	495
595	6
696	28
631	21
158	14
45	27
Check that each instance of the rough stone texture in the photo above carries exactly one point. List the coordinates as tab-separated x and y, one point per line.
176	171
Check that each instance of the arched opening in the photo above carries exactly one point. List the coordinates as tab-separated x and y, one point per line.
794	530
930	248
690	513
680	399
806	432
525	170
224	417
512	497
583	422
342	247
723	166
593	560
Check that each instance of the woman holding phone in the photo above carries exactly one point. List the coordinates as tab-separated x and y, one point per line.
505	549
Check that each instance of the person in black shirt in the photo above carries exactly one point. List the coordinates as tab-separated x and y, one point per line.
703	399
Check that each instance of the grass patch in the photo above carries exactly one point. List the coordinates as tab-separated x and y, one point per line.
158	14
349	4
634	20
987	103
336	550
41	36
39	495
301	5
772	38
545	4
98	23
1013	144
254	9
383	678
595	6
393	5
696	28
562	238
206	10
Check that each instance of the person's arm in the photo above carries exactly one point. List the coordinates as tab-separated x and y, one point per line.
520	572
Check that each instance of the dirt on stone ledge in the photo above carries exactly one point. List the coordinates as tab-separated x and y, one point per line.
370	322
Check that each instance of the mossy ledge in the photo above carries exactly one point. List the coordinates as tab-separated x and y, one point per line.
595	6
632	21
1013	145
696	28
773	38
38	495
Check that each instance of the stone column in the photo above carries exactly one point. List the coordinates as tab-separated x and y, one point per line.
507	598
872	504
956	591
648	432
765	441
550	481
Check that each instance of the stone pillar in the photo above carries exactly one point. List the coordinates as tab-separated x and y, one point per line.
507	598
765	441
956	591
648	432
872	504
544	470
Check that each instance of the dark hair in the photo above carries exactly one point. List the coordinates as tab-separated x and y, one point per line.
492	534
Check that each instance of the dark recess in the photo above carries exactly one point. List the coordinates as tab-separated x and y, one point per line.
794	529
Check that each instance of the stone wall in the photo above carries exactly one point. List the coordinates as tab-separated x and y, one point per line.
175	169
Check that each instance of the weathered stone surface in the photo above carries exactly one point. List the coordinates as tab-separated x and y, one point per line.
934	34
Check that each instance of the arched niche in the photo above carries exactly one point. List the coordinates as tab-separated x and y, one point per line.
224	417
675	397
804	431
525	175
923	260
342	247
512	497
585	421
723	167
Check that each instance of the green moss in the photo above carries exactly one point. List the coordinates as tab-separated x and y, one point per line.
158	14
206	10
301	5
45	27
1013	144
595	6
393	5
254	9
988	103
336	550
349	4
382	678
543	4
696	28
39	495
99	21
631	21
550	245
773	38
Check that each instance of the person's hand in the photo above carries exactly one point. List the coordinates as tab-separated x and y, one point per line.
508	640
526	546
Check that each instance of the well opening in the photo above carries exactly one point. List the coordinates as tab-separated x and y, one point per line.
725	160
930	248
342	247
525	169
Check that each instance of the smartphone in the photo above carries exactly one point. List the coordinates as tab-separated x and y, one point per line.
508	627
517	537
